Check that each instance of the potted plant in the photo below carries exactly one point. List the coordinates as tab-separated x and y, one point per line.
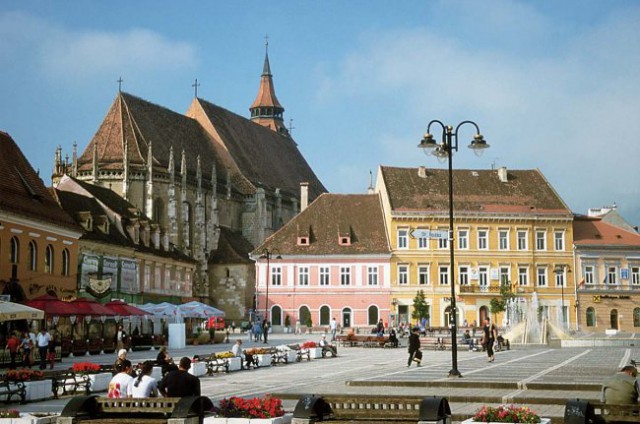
237	410
506	414
99	380
315	351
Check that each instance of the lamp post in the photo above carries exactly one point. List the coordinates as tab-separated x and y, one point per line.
559	270
268	254
448	144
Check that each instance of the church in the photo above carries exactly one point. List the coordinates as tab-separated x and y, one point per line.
217	184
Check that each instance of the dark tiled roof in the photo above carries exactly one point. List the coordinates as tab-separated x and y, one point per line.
475	191
232	248
327	218
595	232
140	123
264	157
22	192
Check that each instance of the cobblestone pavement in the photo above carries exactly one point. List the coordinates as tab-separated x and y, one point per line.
539	376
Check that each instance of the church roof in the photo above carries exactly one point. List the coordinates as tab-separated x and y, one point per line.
329	218
266	92
140	123
232	248
475	191
263	157
22	192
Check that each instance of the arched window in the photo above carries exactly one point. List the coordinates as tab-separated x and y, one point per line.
15	250
276	315
187	222
158	212
48	260
65	262
305	315
33	256
372	315
591	317
636	317
324	315
346	318
614	319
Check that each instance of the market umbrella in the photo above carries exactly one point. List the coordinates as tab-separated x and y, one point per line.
51	305
10	311
84	306
195	309
124	309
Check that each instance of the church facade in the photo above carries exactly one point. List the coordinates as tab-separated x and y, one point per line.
216	183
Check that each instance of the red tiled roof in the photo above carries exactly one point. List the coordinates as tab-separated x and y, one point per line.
330	215
22	192
593	231
475	191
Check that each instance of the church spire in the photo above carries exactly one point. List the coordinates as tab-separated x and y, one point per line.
266	110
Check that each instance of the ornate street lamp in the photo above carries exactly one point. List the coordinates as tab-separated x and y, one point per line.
444	150
268	254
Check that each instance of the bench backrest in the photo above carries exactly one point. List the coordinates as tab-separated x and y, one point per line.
160	405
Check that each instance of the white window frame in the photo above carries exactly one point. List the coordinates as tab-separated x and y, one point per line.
443	275
463	275
275	274
558	241
403	274
612	275
541	276
463	239
423	243
523	240
403	238
325	275
503	239
523	276
345	275
372	275
483	239
561	278
502	273
589	273
541	240
303	276
423	275
483	276
634	275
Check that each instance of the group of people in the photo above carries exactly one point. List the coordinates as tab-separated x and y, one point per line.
176	380
260	331
24	345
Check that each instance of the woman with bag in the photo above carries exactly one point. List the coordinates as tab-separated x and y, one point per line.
415	354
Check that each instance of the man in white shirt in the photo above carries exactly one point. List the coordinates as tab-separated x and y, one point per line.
120	385
333	325
42	341
238	352
327	347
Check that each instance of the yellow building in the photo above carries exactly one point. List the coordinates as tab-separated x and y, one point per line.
510	226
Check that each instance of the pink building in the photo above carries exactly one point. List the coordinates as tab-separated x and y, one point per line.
331	261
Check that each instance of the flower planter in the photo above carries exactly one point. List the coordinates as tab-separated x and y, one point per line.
285	419
100	381
30	419
470	421
292	355
198	369
315	352
235	364
38	390
264	360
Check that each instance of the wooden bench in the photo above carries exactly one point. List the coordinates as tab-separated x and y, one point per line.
100	410
215	364
69	382
279	357
432	342
353	340
598	412
12	388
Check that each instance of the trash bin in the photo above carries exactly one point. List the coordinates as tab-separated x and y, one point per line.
310	409
578	411
434	410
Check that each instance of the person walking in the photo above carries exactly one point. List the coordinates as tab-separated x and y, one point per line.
144	385
51	354
121	336
265	330
333	326
42	339
414	347
13	346
26	345
490	334
180	383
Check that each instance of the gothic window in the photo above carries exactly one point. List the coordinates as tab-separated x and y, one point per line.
48	260
325	312
65	262
15	250
372	315
159	212
591	317
33	256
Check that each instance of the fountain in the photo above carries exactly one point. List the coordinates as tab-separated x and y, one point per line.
523	326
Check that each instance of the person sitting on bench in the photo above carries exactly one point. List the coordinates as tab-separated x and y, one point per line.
622	388
327	347
468	340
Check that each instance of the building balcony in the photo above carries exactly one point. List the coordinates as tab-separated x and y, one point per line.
469	288
608	287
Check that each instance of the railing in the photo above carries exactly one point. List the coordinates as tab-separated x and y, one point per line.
609	287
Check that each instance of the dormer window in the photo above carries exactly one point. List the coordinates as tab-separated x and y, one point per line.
303	241
344	240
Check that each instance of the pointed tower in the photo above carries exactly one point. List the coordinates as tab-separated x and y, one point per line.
266	110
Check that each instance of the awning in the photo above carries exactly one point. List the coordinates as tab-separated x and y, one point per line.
10	311
84	306
51	305
124	309
197	309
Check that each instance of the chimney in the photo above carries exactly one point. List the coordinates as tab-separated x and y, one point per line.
304	196
502	174
422	172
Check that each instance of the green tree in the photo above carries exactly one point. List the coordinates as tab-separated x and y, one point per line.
420	307
506	294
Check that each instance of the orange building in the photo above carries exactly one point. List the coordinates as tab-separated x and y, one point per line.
38	240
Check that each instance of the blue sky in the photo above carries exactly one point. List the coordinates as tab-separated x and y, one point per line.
553	85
